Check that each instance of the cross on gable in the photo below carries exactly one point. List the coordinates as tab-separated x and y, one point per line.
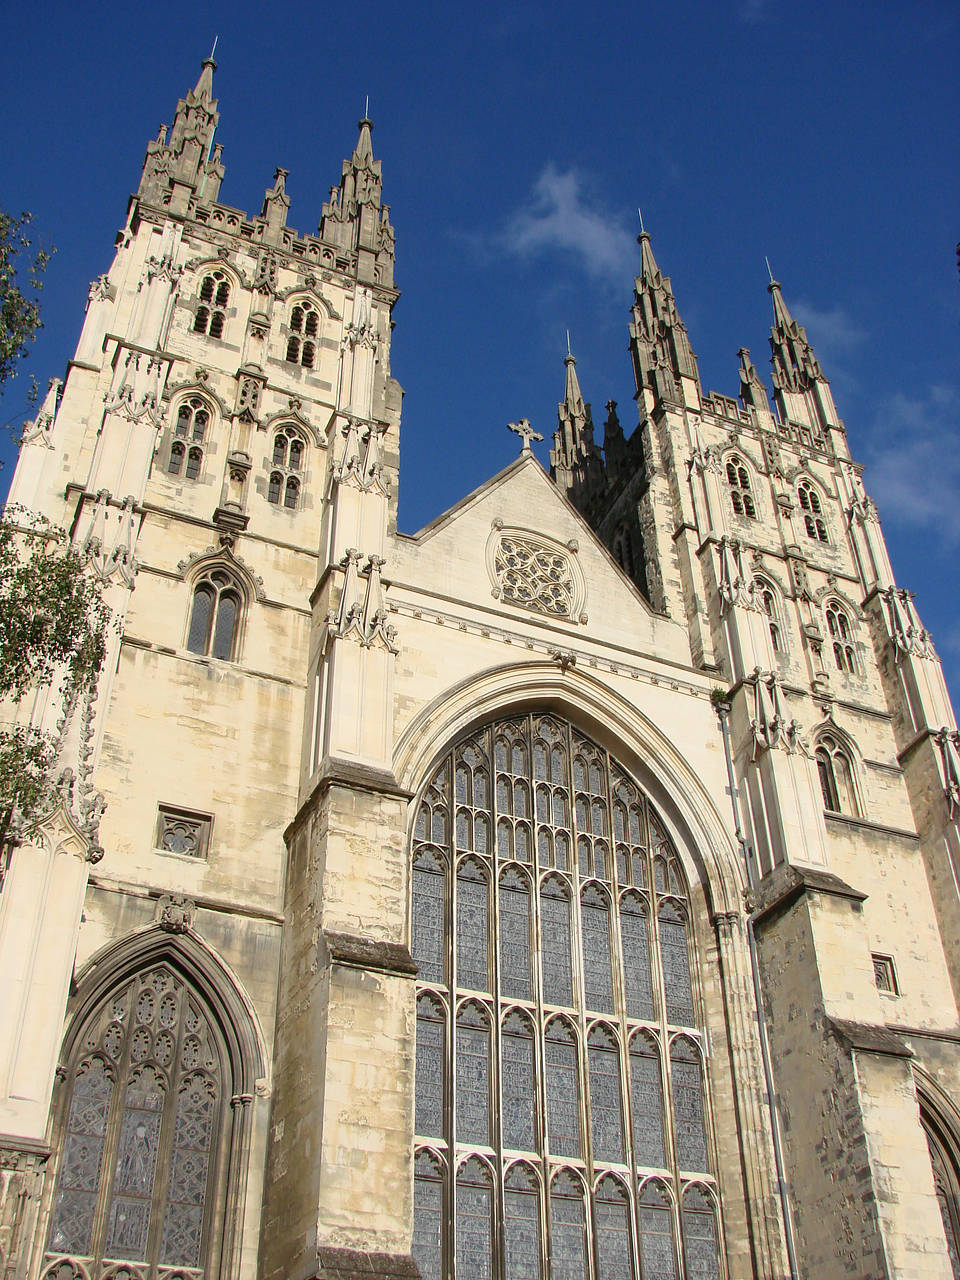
526	433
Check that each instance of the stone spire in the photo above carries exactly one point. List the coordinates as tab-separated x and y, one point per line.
353	220
752	390
801	392
576	463
794	365
659	344
188	166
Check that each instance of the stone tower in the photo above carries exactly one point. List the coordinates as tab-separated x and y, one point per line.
567	889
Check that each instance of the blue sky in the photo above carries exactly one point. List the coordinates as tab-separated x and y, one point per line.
517	142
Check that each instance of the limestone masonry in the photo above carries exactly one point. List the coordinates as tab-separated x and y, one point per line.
570	889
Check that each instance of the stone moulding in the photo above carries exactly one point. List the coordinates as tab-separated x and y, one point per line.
369	953
782	887
354	1264
866	1038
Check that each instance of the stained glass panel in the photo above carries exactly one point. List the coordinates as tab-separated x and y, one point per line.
193	1128
657	1253
636	959
597	978
567	1233
518	1085
521	1229
700	1238
136	1167
606	1115
428	931
563	1092
555	922
82	1159
614	1247
472	928
430	1062
514	937
428	1219
474	1233
676	967
688	1109
473	1085
646	1095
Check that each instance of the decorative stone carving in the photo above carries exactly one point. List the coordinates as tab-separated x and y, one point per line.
108	546
948	740
362	614
534	572
769	724
736	586
175	912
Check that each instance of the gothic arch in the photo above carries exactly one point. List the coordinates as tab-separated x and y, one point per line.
304	293
160	1034
292	418
250	584
201	967
192	387
681	798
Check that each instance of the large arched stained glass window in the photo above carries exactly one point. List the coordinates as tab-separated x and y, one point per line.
142	1134
562	1116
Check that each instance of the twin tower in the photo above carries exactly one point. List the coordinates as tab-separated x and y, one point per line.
569	889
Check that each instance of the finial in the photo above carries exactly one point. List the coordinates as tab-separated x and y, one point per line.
569	352
524	430
366	106
769	270
643	229
214	49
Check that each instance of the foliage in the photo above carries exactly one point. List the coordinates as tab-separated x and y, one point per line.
21	266
719	698
53	628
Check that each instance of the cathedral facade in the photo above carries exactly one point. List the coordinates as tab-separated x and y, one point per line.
570	889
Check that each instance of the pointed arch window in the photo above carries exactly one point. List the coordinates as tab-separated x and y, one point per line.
429	1216
521	1224
658	1251
836	777
946	1181
592	1057
284	484
215	615
430	1065
213	300
144	1125
841	637
190	428
741	494
811	508
769	603
700	1243
304	326
568	1227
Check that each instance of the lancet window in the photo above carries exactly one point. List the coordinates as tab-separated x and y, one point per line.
284	485
741	495
841	636
304	327
215	615
214	298
836	776
766	598
811	509
562	1109
143	1126
946	1180
186	452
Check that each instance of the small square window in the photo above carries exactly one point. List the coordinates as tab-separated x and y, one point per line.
885	975
183	831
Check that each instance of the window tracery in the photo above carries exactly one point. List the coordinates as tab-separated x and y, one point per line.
741	495
142	1131
304	326
215	615
535	574
557	960
836	776
285	481
841	635
193	418
213	300
946	1181
812	510
767	599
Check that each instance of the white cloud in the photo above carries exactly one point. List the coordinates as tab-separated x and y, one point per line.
914	463
830	332
558	217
